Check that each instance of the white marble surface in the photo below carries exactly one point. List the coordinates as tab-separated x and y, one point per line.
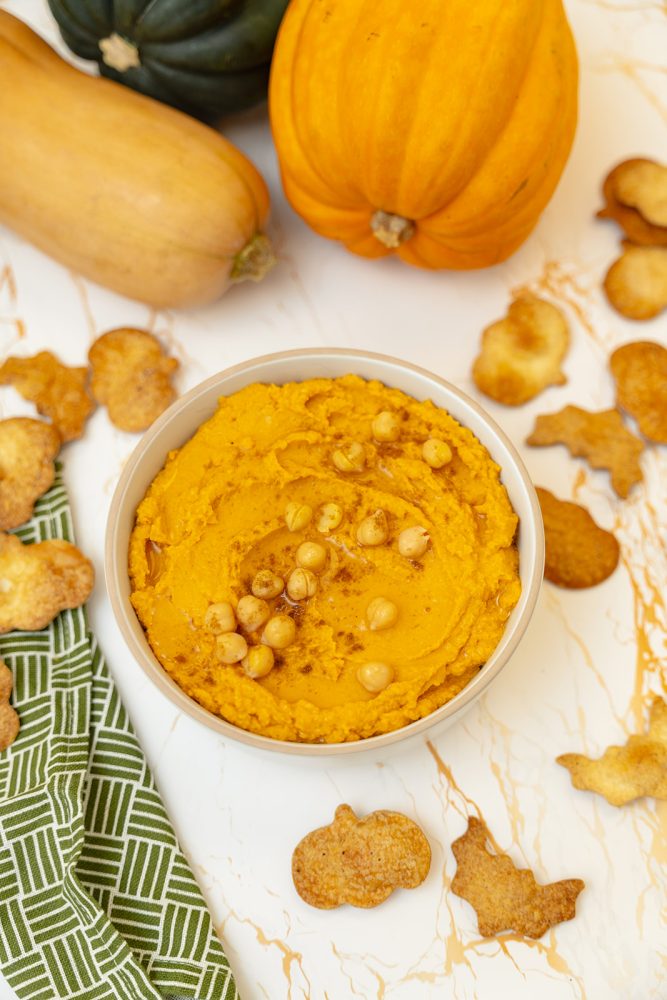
582	677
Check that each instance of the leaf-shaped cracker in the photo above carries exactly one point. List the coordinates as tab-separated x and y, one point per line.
578	552
9	720
637	228
27	452
39	581
360	861
602	438
131	376
57	391
505	897
636	284
640	372
628	772
522	354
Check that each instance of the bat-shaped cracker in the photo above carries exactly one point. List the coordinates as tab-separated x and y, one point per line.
504	897
602	438
628	772
58	392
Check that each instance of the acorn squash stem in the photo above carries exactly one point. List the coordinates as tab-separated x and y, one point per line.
391	230
253	262
118	53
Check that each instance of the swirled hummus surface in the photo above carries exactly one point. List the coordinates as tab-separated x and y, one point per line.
215	516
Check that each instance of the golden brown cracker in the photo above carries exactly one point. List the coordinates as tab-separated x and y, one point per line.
522	354
360	861
504	897
39	581
642	184
578	552
131	376
625	773
58	392
9	720
27	452
602	438
636	283
640	373
636	227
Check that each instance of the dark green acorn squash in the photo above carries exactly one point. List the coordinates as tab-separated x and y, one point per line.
207	57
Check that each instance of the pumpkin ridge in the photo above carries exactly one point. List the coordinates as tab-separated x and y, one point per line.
539	155
499	125
425	221
403	196
304	144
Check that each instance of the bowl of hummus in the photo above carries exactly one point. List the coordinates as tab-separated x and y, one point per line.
324	551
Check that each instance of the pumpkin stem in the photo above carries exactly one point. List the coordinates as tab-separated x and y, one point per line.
256	258
391	230
118	53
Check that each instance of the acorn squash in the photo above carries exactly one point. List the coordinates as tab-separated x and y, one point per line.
206	57
436	131
120	188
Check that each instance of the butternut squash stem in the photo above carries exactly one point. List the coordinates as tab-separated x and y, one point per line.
391	230
253	262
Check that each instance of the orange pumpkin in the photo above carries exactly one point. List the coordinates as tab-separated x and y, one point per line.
436	130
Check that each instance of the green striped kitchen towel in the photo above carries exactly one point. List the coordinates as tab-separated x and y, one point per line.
96	898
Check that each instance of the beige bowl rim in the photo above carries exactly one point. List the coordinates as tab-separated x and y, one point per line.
121	516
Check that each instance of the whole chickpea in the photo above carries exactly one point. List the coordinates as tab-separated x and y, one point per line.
436	453
258	662
298	516
252	612
386	426
381	613
374	529
301	583
231	647
279	632
220	618
375	676
351	458
267	584
413	542
312	556
330	516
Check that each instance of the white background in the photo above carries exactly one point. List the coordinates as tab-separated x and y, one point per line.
581	676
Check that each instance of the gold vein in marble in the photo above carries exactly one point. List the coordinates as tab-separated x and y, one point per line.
9	290
636	70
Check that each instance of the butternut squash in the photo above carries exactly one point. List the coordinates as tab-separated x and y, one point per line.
433	130
120	188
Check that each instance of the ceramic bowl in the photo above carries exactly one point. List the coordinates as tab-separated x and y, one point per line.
180	422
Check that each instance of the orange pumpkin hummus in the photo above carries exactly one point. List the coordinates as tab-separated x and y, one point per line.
215	516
